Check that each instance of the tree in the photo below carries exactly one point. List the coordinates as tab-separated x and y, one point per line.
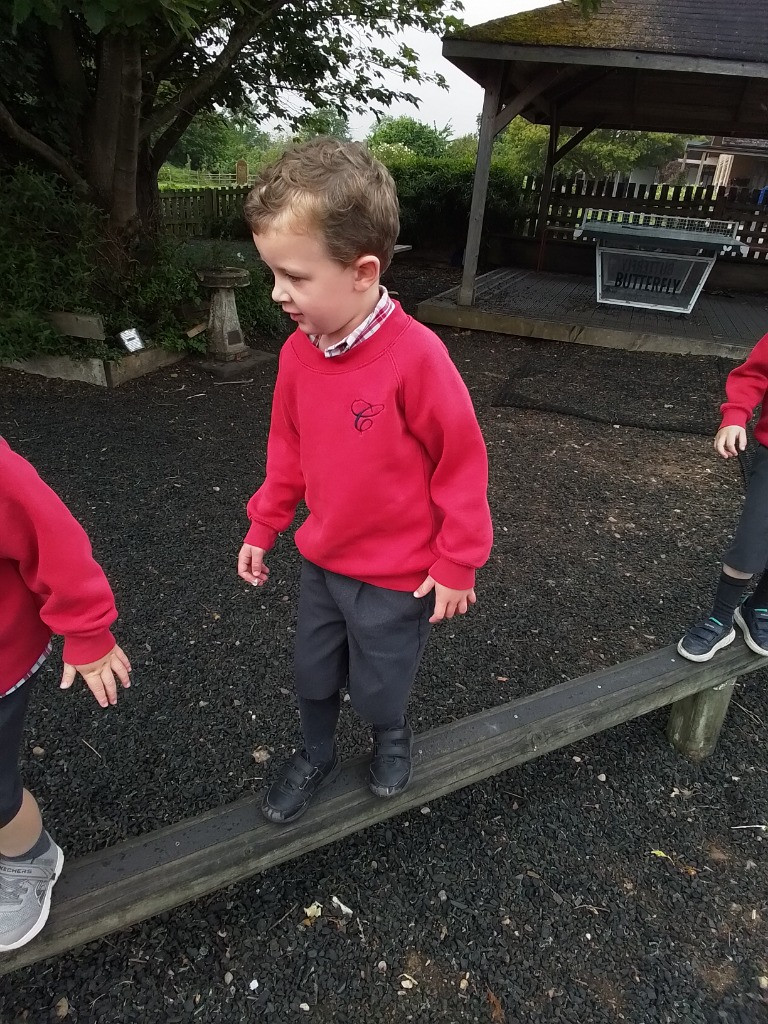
522	147
215	141
102	91
421	139
326	121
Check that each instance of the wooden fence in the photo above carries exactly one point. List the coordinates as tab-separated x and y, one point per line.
569	199
196	212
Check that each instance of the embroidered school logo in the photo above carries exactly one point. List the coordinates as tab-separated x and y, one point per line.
364	412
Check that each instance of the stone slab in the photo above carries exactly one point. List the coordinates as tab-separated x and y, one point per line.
105	374
236	369
138	364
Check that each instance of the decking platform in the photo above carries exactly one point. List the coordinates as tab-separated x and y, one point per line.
562	307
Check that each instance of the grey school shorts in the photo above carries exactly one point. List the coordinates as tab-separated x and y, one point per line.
13	710
749	549
355	634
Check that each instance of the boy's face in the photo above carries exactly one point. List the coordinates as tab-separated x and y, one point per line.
321	295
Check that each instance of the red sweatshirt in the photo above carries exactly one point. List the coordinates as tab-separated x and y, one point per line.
745	389
383	445
49	582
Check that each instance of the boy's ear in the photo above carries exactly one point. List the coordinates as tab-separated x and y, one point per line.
367	271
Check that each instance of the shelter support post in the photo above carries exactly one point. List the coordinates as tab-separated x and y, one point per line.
695	721
549	169
493	121
491	103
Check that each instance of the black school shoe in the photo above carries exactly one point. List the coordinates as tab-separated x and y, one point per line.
297	782
753	623
705	639
390	770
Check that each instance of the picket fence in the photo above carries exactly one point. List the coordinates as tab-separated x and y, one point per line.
198	212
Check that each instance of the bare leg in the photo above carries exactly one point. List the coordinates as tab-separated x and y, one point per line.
735	574
22	833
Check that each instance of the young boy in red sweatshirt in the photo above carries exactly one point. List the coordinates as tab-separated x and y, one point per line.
373	427
746	388
49	583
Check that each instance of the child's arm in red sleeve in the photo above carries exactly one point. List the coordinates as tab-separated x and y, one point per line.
746	387
439	411
273	506
54	557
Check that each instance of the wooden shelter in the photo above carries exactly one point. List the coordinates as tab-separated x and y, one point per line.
689	66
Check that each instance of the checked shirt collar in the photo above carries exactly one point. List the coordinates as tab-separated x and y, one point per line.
383	308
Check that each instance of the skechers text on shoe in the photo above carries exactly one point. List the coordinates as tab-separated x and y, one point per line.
705	639
25	896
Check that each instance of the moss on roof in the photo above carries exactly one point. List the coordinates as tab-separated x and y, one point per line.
717	28
559	25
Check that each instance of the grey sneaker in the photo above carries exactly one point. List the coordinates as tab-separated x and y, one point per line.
25	896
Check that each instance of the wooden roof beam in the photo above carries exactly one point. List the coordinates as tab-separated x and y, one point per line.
538	85
574	141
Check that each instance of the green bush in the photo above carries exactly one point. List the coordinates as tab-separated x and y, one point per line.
436	196
54	255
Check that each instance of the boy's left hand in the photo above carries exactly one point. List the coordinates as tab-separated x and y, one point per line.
448	602
100	675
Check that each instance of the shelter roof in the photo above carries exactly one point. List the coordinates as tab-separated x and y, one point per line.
697	67
717	29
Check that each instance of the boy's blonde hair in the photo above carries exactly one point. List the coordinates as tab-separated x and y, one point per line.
336	188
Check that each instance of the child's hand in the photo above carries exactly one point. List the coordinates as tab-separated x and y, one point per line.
448	602
730	441
100	675
250	565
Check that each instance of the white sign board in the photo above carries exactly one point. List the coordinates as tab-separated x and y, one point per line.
659	281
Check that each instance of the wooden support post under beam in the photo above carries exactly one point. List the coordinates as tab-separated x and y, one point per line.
115	888
695	722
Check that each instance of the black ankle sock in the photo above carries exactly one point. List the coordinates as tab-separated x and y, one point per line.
41	846
759	598
728	598
318	725
399	723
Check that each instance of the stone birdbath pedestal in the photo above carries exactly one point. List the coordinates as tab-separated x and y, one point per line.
225	336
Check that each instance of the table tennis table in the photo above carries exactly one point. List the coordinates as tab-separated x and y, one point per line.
653	260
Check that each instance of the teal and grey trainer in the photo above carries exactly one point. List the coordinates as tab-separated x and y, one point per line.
705	639
753	623
25	896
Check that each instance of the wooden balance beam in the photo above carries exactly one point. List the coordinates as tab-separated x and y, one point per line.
124	884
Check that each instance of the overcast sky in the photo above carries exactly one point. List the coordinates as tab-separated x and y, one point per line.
462	101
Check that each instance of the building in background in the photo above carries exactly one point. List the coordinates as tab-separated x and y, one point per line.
737	163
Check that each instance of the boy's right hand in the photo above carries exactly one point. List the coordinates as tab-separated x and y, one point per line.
730	441
250	565
100	675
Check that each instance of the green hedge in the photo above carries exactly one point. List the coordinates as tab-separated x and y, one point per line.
436	195
54	256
